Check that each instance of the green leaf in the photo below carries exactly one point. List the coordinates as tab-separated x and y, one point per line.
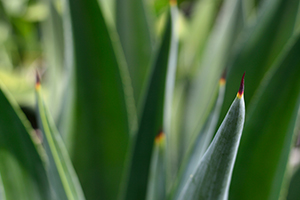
2	194
61	174
293	191
211	178
169	91
157	178
262	43
203	88
196	37
268	133
151	122
200	142
53	40
133	26
104	113
21	167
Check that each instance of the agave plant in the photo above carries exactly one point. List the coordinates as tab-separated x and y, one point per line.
138	99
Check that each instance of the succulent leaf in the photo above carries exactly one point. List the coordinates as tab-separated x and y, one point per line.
211	178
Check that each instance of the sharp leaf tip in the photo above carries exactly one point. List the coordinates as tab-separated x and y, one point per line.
241	90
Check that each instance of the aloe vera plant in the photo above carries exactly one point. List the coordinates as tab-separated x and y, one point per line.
137	99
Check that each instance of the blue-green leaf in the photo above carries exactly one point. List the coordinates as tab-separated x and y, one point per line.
211	178
61	173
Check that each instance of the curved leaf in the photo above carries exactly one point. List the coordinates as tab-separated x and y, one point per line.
150	124
62	176
21	167
104	108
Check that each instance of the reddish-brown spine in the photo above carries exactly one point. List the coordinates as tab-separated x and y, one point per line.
241	90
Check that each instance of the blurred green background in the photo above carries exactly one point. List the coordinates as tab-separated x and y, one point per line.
105	67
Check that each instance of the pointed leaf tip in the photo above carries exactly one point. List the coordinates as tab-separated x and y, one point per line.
241	90
37	80
223	78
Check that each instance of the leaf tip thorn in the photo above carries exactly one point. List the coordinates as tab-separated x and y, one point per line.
37	80
241	90
223	78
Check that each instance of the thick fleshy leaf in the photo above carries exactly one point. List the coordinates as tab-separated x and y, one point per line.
150	124
103	113
22	169
211	179
157	178
268	133
133	26
200	142
61	173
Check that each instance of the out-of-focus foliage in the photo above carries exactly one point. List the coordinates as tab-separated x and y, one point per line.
133	99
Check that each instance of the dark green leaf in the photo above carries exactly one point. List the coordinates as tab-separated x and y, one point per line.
22	170
293	191
101	130
268	133
150	124
261	44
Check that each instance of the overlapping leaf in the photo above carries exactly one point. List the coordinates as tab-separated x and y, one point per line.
203	88
134	29
22	169
150	123
61	174
211	178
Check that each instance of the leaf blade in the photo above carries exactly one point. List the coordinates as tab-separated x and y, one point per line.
212	177
20	154
102	101
60	166
150	124
133	26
